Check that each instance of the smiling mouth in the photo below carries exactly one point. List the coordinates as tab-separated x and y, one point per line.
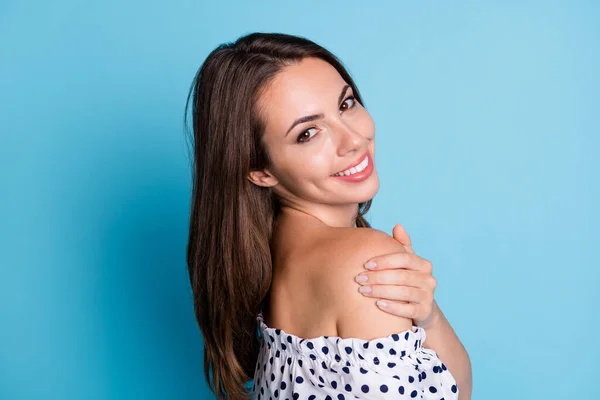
356	168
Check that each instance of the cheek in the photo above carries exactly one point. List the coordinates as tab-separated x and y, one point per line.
301	166
309	165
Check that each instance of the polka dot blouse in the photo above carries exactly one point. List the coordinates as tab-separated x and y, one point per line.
332	368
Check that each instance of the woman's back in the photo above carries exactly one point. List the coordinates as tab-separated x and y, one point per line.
321	339
313	292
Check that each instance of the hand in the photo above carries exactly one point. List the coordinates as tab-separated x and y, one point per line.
405	280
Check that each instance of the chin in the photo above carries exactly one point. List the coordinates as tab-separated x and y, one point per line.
370	190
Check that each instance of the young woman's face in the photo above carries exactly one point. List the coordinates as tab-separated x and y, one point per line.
309	155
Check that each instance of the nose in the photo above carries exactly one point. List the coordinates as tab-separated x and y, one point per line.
349	140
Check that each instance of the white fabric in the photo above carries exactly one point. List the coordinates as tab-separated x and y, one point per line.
332	368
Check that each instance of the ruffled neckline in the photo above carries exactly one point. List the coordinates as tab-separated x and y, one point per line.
388	348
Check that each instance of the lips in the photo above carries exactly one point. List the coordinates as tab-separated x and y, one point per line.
354	164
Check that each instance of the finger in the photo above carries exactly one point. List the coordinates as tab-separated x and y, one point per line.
401	235
399	309
396	293
420	314
403	277
399	260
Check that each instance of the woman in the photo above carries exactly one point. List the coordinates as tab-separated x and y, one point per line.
283	175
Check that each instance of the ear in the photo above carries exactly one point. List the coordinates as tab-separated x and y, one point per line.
262	178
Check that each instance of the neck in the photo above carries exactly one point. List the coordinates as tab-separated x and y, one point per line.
339	216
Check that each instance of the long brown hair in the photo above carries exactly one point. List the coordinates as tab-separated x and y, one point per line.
231	221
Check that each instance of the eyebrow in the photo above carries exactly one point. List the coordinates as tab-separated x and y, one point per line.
316	116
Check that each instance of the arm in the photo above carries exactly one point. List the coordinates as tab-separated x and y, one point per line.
357	318
405	268
443	340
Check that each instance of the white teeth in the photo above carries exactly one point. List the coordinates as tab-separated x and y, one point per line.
360	167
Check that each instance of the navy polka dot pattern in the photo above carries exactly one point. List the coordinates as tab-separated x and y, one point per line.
329	367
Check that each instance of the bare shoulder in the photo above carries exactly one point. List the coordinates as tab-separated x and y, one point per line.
349	248
365	243
346	253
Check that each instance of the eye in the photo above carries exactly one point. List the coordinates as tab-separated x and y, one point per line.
352	103
303	138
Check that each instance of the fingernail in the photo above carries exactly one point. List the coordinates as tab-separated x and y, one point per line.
365	289
370	265
381	303
361	278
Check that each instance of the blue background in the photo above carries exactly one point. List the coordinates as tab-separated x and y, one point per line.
488	143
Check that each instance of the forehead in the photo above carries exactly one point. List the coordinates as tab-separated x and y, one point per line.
300	89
